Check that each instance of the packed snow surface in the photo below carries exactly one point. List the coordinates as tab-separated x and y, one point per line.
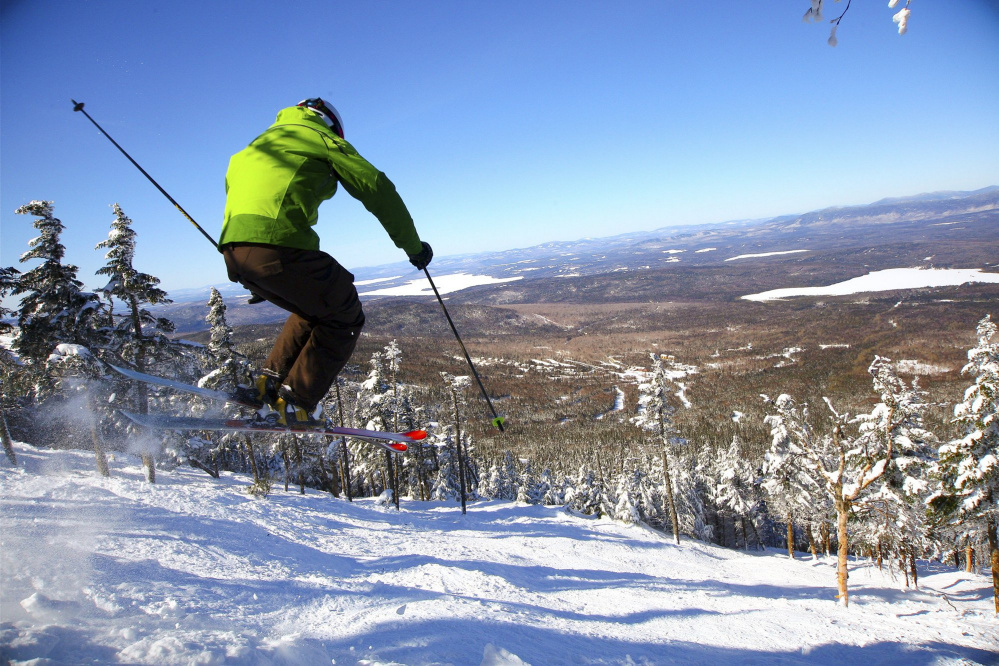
886	280
195	571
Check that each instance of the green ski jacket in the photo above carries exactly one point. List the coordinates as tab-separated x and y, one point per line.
274	186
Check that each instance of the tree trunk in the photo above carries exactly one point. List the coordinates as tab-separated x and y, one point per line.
8	444
300	464
842	513
990	528
457	446
825	536
912	570
344	459
790	536
759	541
204	468
102	460
811	541
148	461
421	474
253	459
674	519
969	556
390	479
287	463
331	476
345	471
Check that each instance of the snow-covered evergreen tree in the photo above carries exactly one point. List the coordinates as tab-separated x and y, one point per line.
586	493
967	474
456	386
895	503
530	489
54	308
11	390
556	488
138	334
735	490
657	398
138	337
501	480
77	379
229	367
891	439
627	498
792	488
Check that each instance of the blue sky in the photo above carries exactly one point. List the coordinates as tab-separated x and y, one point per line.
502	124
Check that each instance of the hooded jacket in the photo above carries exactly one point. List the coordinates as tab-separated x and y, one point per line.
274	186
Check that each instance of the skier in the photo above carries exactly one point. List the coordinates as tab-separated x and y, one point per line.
274	188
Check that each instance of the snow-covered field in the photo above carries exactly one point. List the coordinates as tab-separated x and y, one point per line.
195	571
765	254
446	284
886	280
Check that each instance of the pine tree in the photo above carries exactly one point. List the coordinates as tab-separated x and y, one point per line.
529	487
138	338
229	367
373	411
657	414
735	490
55	311
967	475
11	391
895	504
793	489
54	308
855	468
586	493
456	386
627	498
74	371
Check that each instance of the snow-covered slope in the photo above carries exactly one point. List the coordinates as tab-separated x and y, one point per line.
195	571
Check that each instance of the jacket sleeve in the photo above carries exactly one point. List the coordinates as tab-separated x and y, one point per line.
377	193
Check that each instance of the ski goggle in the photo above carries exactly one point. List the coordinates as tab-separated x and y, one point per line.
326	111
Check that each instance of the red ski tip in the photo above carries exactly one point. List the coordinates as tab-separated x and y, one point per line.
397	446
416	434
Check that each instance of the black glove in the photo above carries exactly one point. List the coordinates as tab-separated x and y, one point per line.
422	258
255	298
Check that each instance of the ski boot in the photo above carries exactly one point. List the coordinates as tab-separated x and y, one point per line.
263	392
285	411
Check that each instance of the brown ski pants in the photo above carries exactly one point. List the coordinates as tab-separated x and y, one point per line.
326	316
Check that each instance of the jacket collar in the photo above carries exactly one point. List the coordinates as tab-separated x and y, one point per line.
299	115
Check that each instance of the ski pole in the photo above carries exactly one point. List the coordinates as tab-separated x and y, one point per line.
497	419
78	106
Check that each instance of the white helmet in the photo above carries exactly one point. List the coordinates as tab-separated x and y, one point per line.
326	111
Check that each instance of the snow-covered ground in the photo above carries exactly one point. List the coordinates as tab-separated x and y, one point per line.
195	571
886	280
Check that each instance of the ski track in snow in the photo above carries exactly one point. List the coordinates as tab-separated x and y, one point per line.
195	571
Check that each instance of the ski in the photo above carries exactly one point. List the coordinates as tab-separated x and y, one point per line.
393	441
210	394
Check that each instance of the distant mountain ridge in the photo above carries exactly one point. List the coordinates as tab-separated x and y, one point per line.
945	218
